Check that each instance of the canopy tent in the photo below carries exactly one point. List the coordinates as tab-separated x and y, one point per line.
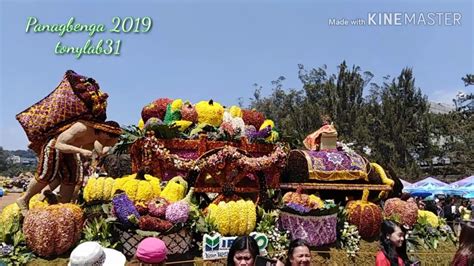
432	186
464	186
469	188
405	184
463	182
469	195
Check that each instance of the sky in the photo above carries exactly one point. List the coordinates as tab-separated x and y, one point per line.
200	50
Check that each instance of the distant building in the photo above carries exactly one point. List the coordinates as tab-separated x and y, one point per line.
28	161
441	108
464	102
14	159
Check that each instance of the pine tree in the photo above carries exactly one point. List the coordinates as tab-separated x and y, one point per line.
298	112
401	124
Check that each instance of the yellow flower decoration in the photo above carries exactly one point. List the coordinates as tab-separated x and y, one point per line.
175	189
430	217
87	189
235	111
183	124
212	213
233	217
317	201
176	105
108	187
36	203
141	124
267	123
223	218
242	219
137	189
251	216
210	113
274	136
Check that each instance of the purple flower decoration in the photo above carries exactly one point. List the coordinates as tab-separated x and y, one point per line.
177	212
298	207
261	134
6	249
335	158
249	130
125	210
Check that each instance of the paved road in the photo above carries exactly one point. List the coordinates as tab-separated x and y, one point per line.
9	198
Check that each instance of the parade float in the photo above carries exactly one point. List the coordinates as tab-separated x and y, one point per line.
203	174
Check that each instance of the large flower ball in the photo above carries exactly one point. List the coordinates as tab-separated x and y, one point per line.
253	117
53	230
366	216
188	112
406	213
155	109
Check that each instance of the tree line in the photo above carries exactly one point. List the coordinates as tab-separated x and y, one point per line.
391	122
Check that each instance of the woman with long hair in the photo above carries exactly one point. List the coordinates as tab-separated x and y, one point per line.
393	246
243	252
465	253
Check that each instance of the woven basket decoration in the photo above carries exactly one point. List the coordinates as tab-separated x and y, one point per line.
179	242
129	241
315	230
76	97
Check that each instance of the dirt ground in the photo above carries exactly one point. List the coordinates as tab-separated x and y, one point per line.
8	199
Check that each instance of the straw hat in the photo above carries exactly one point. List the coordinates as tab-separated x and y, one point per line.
92	254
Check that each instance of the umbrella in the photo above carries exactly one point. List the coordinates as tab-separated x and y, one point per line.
420	193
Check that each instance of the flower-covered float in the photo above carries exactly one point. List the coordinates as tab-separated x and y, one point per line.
220	150
202	175
327	164
224	159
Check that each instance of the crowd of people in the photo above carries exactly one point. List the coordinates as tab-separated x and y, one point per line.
454	209
393	251
245	252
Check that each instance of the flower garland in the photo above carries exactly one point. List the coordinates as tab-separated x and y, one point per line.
153	150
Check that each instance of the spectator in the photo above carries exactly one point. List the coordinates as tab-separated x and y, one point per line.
393	246
448	212
243	252
465	254
92	253
465	211
298	254
430	205
421	205
439	208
